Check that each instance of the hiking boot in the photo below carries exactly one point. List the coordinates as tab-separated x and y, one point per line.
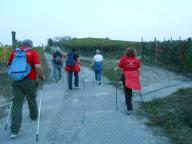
15	135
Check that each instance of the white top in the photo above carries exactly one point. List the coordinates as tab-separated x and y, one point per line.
98	58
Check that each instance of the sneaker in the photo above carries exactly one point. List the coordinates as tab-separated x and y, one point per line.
129	111
34	119
14	135
69	90
77	87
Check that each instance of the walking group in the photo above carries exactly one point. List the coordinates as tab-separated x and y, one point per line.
25	66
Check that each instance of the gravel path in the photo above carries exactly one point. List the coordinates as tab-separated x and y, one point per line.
88	116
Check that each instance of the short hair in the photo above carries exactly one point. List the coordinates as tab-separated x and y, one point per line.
58	49
27	43
131	52
74	49
98	51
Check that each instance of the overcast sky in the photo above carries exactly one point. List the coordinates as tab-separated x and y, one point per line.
117	19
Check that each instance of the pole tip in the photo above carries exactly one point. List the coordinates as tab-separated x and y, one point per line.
5	127
37	138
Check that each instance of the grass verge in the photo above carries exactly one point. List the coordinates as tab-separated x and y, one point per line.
173	114
108	68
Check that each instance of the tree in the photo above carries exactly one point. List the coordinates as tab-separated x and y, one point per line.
50	42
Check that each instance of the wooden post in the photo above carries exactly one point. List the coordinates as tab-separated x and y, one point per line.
180	38
13	39
156	51
142	52
42	48
155	40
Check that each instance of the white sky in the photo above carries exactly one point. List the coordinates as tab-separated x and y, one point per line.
116	19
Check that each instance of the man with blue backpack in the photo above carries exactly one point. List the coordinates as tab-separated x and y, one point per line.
73	67
24	65
98	66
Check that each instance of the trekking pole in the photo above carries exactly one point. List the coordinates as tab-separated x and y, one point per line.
39	114
116	88
141	98
52	74
63	75
8	116
83	81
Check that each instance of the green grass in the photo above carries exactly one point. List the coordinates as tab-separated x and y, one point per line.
173	114
108	68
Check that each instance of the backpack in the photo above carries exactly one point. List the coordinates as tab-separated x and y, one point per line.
70	60
58	58
19	67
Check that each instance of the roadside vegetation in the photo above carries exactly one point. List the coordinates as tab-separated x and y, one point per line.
172	114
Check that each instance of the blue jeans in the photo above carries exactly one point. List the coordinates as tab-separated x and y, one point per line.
57	72
70	79
98	74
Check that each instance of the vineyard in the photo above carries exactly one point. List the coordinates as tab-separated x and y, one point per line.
4	53
175	55
88	46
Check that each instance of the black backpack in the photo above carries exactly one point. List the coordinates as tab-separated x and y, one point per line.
58	58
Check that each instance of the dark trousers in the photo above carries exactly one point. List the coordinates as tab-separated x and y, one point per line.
128	96
98	74
70	79
21	89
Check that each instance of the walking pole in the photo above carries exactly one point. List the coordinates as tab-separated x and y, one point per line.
83	84
83	81
116	88
63	75
39	114
93	79
52	73
141	98
8	116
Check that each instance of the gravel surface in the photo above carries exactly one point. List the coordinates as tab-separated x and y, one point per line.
88	116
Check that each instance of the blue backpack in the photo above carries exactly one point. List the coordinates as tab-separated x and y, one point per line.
19	67
70	60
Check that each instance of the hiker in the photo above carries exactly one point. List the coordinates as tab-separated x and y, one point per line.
24	83
97	66
73	67
131	69
57	61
